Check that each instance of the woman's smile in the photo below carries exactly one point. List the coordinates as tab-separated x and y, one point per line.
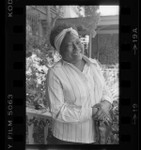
78	52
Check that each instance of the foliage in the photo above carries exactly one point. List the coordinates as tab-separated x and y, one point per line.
82	30
34	42
40	56
59	13
37	67
109	133
91	10
111	75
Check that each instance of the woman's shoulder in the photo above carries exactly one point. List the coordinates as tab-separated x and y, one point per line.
55	68
95	62
91	60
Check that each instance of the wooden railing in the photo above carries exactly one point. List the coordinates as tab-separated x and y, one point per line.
38	124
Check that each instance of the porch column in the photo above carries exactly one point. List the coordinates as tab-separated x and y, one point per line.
90	45
91	36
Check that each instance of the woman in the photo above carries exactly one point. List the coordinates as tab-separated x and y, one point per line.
75	87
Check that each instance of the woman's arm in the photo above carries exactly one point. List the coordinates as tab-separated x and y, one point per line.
104	106
106	100
60	110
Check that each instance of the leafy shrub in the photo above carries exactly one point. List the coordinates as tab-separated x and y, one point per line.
37	66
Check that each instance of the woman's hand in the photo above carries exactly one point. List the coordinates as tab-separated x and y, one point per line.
95	109
101	111
106	106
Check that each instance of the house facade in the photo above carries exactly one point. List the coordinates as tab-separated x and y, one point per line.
40	19
105	45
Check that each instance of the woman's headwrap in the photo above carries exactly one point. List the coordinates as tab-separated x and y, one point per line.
59	38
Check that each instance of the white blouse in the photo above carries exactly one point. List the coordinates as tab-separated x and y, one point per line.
72	94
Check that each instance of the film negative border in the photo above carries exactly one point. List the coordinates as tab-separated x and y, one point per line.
15	77
129	60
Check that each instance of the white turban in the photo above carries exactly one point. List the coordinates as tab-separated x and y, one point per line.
59	38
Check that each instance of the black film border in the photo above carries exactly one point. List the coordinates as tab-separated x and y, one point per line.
15	122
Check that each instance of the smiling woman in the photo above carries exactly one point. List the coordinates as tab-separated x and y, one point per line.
76	91
69	46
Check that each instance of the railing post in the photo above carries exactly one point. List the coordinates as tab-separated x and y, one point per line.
90	45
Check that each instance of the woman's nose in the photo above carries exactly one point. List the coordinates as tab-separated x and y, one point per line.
75	46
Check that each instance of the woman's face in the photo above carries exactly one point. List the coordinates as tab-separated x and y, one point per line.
71	48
